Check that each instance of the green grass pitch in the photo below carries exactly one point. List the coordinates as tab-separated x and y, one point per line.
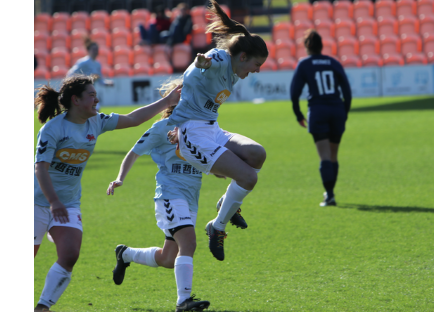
373	252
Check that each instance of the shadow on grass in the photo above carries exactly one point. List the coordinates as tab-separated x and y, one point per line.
373	208
418	104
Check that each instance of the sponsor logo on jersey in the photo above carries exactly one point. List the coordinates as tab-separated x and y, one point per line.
73	156
215	151
222	96
90	137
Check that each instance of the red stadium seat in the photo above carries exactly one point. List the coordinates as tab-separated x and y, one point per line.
366	27
122	55
301	11
60	39
348	46
61	22
387	26
43	22
122	70
283	31
325	28
430	57
120	19
105	56
140	16
80	21
385	8
142	69
199	37
300	27
60	57
58	72
406	8
322	10
198	14
42	41
426	24
415	58
142	54
107	71
101	37
286	63
393	59
411	43
162	68
42	57
425	7
271	49
408	25
363	9
77	38
284	49
181	56
159	54
369	45
428	43
77	53
269	65
390	45
99	20
329	46
372	60
41	72
300	51
342	9
351	61
344	28
121	37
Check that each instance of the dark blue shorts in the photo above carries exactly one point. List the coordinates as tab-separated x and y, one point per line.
327	119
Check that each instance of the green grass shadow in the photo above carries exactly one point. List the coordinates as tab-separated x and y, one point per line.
414	104
374	208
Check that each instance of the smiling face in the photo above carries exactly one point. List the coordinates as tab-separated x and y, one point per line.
86	103
245	65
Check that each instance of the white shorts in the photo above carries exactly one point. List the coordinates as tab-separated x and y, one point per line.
171	213
201	143
44	221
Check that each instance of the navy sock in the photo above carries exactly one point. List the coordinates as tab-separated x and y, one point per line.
335	171
327	176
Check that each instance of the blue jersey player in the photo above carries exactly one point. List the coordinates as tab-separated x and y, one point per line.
64	146
176	205
327	111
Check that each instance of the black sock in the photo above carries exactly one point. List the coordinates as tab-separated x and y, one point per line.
327	176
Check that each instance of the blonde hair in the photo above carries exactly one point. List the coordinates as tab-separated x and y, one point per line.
164	91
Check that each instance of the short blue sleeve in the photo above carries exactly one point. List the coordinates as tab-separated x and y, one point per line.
218	64
149	140
46	145
107	122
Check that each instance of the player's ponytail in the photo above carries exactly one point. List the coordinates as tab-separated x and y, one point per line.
312	41
233	36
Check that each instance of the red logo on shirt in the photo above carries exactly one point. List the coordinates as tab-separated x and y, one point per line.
90	137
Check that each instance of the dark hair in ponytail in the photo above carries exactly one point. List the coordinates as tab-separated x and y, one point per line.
234	36
88	43
312	41
51	103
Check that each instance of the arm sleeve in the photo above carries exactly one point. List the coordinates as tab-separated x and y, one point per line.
46	145
107	122
345	87
296	88
220	61
148	141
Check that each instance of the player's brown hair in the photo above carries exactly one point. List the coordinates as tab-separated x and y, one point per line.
312	41
233	36
88	43
51	103
164	91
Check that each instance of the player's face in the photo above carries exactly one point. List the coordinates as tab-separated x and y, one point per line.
88	100
249	65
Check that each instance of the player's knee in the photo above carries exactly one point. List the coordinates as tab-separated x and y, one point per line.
188	249
68	261
258	156
249	180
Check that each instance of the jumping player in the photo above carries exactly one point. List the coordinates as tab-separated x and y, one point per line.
327	111
64	146
176	205
208	82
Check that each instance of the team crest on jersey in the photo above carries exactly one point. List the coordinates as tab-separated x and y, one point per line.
90	137
73	156
222	96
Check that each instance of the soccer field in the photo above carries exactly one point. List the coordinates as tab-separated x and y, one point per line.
373	252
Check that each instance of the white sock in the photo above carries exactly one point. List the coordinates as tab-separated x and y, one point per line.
55	284
145	256
184	277
233	199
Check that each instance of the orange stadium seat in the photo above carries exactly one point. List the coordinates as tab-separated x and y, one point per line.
42	41
42	57
390	45
77	53
366	26
80	21
286	63
283	31
342	9
428	43
60	39
372	60
344	28
425	7
162	68
393	59
363	9
271	49
121	37
41	72
322	10
351	61
300	51
198	14
120	19
415	58
122	55
107	71
159	54
269	65
385	8
61	22
284	49
136	36
369	45
348	46
142	69
77	38
60	57
122	70
406	8
199	38
181	56
301	11
408	25
105	56
326	28
101	37
426	24
329	46
142	54
411	43
140	16
58	72
99	20
300	27
430	57
43	22
387	26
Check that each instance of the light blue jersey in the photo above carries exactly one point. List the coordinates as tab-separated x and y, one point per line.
204	90
86	66
67	146
175	178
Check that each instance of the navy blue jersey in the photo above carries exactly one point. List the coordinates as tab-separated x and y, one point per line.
323	75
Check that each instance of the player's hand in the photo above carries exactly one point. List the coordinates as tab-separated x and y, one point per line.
112	186
302	123
202	61
173	136
59	212
174	96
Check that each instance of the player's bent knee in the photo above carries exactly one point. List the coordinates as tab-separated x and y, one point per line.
249	180
258	156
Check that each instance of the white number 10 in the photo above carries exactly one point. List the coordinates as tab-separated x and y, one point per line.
322	83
